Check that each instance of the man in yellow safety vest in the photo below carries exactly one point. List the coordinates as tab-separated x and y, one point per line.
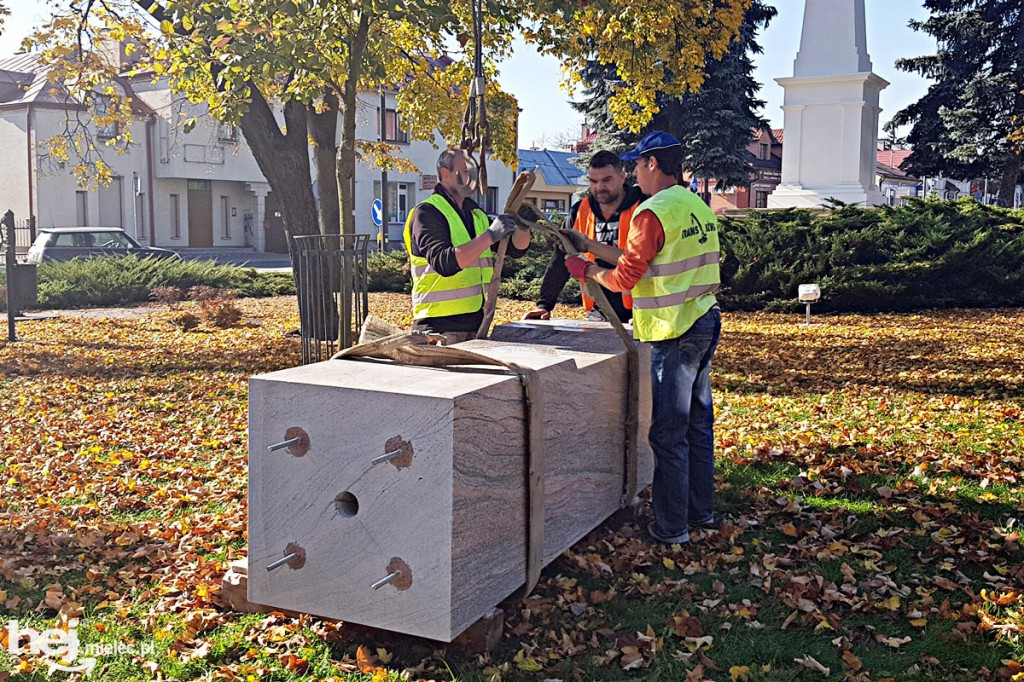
670	262
449	239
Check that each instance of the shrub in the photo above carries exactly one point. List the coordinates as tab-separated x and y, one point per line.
185	320
166	294
389	271
204	292
221	313
115	280
928	254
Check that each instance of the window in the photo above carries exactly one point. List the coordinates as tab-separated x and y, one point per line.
393	127
765	154
398	201
105	108
175	216
225	212
760	199
553	205
82	208
491	201
400	198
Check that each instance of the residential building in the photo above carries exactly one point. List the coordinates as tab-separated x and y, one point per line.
199	188
405	190
764	153
557	182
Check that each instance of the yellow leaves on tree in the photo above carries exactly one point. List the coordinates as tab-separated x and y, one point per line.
658	46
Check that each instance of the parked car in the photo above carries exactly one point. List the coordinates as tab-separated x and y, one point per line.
65	243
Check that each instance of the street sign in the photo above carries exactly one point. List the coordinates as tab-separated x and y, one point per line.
377	212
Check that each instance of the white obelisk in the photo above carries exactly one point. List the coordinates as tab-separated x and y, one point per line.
831	112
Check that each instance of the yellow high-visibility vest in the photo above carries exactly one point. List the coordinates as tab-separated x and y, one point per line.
434	295
680	284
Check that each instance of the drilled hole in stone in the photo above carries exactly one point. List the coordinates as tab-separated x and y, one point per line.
346	504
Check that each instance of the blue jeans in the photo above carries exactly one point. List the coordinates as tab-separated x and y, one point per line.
682	429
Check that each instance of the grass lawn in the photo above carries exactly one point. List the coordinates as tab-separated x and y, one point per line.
868	487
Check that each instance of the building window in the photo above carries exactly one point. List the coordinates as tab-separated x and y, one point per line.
82	208
175	216
765	154
400	198
105	108
393	127
760	199
225	212
398	201
491	201
553	205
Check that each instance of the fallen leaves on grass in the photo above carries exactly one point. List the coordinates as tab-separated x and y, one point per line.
868	470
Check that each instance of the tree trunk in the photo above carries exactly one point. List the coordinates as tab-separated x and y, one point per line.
347	152
283	158
1010	173
323	129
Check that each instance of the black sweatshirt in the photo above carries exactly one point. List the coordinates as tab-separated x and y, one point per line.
607	230
432	239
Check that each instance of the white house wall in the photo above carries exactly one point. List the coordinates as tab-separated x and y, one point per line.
56	188
14	169
202	154
205	152
422	154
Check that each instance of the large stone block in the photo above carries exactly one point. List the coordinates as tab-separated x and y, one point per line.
449	511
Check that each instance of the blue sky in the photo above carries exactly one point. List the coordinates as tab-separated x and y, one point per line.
546	113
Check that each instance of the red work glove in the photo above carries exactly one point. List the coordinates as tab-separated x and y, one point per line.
577	266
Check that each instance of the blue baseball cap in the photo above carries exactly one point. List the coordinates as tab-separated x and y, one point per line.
652	142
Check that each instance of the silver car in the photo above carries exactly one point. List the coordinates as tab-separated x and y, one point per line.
65	243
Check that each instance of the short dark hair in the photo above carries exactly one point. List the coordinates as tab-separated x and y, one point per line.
670	160
447	159
606	158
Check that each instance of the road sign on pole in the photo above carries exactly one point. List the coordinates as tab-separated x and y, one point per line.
377	212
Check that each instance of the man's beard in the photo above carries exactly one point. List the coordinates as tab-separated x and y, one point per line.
607	196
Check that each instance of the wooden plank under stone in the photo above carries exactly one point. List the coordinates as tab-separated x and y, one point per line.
445	516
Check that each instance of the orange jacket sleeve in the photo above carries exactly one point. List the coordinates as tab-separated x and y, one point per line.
646	237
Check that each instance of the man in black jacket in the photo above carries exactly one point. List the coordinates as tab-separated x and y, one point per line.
450	239
603	215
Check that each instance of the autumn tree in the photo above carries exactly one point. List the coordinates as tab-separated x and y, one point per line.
964	127
247	59
714	122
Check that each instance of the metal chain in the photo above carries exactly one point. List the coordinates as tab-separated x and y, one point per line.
476	133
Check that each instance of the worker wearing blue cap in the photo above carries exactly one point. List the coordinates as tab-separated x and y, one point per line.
670	262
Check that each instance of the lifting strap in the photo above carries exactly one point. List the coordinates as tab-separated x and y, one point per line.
632	426
520	188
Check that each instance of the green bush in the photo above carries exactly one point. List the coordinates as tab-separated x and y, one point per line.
116	280
928	254
389	271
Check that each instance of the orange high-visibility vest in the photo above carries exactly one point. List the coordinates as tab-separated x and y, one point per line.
586	222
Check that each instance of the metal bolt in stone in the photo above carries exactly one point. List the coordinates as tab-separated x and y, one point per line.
385	580
284	444
282	561
385	457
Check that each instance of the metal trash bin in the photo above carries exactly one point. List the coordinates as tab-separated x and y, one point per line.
327	266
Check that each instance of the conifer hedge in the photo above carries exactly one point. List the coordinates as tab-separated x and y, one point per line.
928	254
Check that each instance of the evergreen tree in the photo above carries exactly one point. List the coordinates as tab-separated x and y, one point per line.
963	127
714	124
